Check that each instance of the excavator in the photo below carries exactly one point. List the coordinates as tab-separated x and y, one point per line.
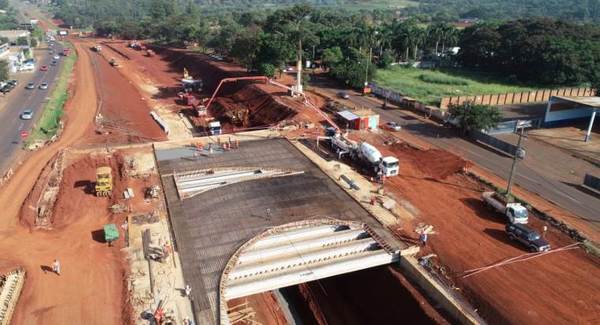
104	183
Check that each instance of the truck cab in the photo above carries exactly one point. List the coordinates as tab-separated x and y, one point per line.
389	166
516	213
214	128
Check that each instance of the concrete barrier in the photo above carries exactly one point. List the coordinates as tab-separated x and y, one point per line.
460	310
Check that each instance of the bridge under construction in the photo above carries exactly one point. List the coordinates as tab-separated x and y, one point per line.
262	217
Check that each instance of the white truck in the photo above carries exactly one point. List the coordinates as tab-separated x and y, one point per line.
366	153
214	128
515	212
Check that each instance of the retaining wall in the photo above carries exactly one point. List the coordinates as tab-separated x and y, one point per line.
536	96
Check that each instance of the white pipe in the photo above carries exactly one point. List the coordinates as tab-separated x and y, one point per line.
302	246
302	261
327	269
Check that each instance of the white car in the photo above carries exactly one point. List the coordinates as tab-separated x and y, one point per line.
393	126
44	86
56	57
27	115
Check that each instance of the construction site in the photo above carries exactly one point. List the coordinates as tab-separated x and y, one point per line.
274	215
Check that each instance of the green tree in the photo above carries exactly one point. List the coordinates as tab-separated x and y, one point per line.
475	117
34	42
267	69
22	41
332	56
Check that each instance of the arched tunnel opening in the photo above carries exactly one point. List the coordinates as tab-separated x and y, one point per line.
379	295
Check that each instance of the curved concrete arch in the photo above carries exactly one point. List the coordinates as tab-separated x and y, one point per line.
298	252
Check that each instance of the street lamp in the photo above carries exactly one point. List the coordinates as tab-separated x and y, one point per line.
366	88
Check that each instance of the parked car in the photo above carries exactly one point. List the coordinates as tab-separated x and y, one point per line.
12	82
343	94
44	68
30	85
44	85
527	236
393	126
27	114
5	89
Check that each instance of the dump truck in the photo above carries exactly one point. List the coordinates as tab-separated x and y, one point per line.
515	212
104	184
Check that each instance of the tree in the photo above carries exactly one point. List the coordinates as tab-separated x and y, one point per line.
267	69
475	117
22	41
3	70
332	56
34	42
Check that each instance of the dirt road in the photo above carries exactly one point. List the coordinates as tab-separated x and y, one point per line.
89	290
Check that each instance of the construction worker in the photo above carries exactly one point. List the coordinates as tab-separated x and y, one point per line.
187	290
544	230
423	239
56	267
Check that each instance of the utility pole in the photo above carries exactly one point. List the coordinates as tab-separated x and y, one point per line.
299	68
519	155
367	69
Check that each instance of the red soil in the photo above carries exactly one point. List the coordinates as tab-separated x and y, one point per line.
470	236
91	287
266	307
126	113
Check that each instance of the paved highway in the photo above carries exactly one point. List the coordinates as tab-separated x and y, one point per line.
20	99
550	187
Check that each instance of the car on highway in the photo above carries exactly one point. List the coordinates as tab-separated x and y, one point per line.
30	85
27	114
527	236
343	94
44	68
56	57
44	85
393	126
53	62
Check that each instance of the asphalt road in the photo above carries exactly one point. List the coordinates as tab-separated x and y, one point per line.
20	99
569	197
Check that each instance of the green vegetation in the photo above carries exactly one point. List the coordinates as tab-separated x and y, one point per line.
49	122
429	86
4	70
578	10
476	117
532	51
535	50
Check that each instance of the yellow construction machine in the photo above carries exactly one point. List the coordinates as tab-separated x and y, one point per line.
104	184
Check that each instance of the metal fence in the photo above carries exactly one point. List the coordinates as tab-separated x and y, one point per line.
493	142
591	182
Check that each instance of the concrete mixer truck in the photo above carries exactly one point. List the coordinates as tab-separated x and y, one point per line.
364	153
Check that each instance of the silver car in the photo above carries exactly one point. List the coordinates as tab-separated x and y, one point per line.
44	85
27	114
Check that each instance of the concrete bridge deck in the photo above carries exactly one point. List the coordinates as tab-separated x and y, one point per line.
211	226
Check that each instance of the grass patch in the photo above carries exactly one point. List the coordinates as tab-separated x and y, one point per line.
48	124
429	86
